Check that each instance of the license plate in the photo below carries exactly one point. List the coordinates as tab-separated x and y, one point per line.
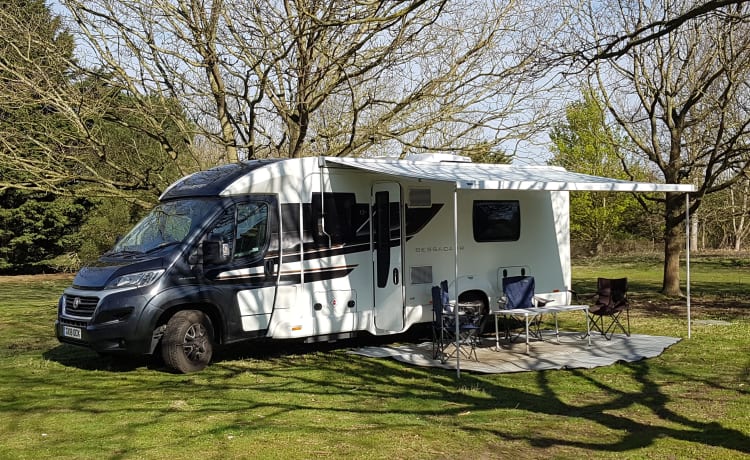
72	332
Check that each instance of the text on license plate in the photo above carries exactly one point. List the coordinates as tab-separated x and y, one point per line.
72	332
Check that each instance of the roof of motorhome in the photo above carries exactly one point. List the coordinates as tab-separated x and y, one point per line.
212	182
480	176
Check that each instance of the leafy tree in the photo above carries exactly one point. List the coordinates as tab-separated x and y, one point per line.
33	63
585	143
109	219
58	119
68	139
35	228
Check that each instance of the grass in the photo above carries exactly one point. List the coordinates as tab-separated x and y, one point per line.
317	401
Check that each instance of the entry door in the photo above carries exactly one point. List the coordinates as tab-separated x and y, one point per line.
387	238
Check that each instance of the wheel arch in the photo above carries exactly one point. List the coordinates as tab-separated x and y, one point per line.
213	313
476	295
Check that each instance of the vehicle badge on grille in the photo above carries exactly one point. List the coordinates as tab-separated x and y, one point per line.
76	303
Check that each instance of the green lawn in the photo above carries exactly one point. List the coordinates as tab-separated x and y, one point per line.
317	401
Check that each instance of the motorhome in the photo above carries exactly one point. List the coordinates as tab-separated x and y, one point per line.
318	249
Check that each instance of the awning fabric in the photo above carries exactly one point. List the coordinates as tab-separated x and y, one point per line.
475	176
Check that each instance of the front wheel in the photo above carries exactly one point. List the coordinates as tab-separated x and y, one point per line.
187	344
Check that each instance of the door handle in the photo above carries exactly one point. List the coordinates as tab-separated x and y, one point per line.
395	276
269	267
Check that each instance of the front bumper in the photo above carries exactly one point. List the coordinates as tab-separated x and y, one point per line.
104	321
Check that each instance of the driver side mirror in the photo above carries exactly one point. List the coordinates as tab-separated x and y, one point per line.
216	252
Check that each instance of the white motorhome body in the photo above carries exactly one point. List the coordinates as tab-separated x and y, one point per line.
421	249
255	249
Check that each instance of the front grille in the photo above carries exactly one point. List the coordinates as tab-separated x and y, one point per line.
82	307
70	322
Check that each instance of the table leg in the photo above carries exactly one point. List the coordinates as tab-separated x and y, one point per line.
497	335
526	317
557	331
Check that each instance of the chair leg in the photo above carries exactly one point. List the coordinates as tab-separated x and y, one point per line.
608	329
597	323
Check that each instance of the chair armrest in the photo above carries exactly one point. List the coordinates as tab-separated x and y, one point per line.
501	302
542	301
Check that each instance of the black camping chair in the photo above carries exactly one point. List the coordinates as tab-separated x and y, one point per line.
442	334
610	303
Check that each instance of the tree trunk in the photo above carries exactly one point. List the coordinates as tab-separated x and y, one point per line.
694	234
738	225
672	245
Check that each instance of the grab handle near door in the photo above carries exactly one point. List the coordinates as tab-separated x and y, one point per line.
395	276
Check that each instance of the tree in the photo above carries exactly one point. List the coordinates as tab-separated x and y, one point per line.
619	43
681	99
722	220
303	77
35	53
66	138
57	119
35	228
585	143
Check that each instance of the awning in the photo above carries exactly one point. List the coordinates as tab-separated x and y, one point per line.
475	176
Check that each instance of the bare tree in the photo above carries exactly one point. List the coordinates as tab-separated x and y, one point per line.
65	132
739	199
304	77
681	97
619	42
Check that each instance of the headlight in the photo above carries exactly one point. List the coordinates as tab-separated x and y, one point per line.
139	279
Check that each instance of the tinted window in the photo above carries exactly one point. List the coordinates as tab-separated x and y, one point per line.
343	218
497	220
243	229
252	220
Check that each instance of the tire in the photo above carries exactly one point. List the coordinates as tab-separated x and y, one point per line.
187	344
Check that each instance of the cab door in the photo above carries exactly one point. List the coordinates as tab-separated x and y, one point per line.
387	243
246	281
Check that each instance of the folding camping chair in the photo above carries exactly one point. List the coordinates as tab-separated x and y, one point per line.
611	301
518	293
444	327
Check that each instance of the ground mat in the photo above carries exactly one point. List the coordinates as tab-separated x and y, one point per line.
570	352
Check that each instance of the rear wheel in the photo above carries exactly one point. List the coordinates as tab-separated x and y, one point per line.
187	344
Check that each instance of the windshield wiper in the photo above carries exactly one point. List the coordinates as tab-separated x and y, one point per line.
122	252
163	245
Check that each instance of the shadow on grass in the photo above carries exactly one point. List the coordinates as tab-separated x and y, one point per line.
310	378
616	416
83	358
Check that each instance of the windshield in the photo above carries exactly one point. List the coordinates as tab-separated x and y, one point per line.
166	225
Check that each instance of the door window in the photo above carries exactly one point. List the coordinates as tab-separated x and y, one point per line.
252	220
242	229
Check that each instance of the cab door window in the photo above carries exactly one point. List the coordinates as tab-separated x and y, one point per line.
242	230
252	220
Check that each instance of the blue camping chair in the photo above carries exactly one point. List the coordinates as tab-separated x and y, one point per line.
518	292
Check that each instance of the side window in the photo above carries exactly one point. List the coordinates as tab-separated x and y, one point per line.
342	218
223	231
252	221
242	229
497	220
290	218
